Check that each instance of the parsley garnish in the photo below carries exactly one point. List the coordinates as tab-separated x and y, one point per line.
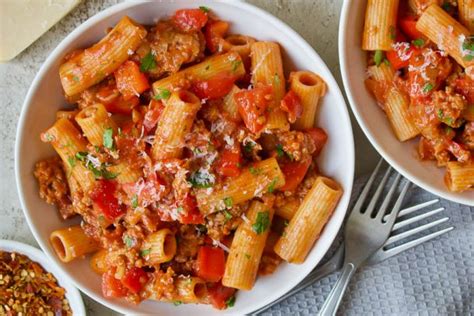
235	65
106	174
180	209
428	87
208	67
419	42
393	32
176	303
248	147
468	45
81	156
145	252
262	223
230	302
205	9
71	161
75	78
128	241
228	202
134	201
276	79
271	187
227	215
445	119
201	180
247	256
254	171
164	94
108	139
279	150
147	63
378	57
285	223
446	6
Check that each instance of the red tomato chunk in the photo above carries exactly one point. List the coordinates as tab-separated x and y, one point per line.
190	19
210	263
104	199
292	105
134	279
214	88
130	81
294	173
229	162
220	294
252	106
112	287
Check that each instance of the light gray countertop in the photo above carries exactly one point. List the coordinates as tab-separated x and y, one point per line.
316	20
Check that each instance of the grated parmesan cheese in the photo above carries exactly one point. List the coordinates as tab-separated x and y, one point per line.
220	245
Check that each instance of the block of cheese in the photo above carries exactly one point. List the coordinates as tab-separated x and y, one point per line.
23	21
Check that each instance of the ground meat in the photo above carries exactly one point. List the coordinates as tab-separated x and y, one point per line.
53	186
162	285
296	144
172	48
269	263
467	136
221	224
449	107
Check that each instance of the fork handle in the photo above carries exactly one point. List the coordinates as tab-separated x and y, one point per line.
334	299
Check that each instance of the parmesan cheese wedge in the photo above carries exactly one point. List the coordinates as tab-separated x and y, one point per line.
23	21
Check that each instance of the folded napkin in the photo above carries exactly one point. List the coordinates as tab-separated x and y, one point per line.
434	278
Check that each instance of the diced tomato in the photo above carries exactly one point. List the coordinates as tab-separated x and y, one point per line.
294	173
252	106
134	279
220	294
214	33
108	93
152	115
130	81
210	263
396	61
292	105
229	162
192	214
215	87
112	287
190	19
465	86
319	137
408	26
103	196
122	106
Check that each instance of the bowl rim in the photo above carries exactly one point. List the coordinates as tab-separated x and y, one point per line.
238	5
345	69
36	255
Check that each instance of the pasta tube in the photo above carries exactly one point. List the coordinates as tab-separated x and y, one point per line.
380	24
71	243
450	35
247	247
191	289
309	87
308	222
288	210
94	121
459	177
160	246
229	63
89	67
466	13
264	176
175	122
230	106
267	68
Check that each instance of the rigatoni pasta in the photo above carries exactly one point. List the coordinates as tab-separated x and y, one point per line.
459	177
180	159
466	14
306	225
380	24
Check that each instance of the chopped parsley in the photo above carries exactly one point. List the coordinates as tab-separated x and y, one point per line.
279	150
428	87
276	79
235	65
227	215
207	67
271	187
201	180
419	42
108	139
393	32
228	202
386	62
177	303
255	171
81	156
164	94
262	223
230	302
445	119
134	201
180	209
75	78
378	57
205	9
147	63
285	223
145	252
247	256
248	147
106	174
468	48
71	161
446	6
128	241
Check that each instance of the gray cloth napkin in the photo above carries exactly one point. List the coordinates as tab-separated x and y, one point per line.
434	278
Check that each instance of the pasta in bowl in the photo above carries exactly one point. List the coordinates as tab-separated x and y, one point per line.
186	163
417	61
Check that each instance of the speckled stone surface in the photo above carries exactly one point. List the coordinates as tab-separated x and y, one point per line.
316	21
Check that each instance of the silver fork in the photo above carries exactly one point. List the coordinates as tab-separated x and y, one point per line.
335	263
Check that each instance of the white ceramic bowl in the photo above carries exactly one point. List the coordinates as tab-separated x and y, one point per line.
36	255
374	123
45	97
